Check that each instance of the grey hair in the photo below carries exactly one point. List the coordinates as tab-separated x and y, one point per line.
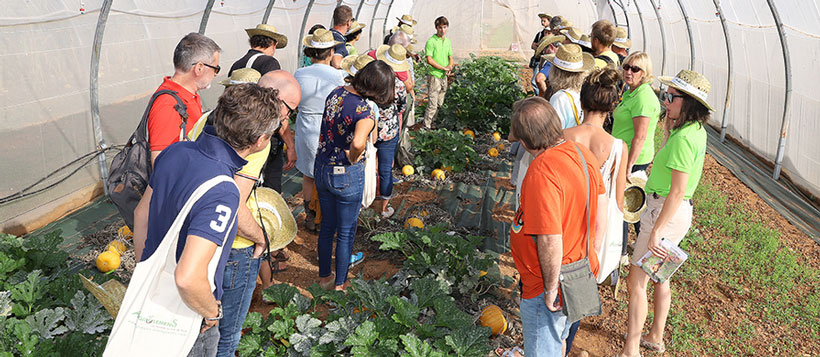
560	79
194	48
555	21
399	37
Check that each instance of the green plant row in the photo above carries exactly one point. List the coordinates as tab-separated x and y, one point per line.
413	313
43	309
433	149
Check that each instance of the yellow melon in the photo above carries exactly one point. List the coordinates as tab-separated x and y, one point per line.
438	174
414	222
108	261
469	132
493	317
408	170
493	152
117	246
497	136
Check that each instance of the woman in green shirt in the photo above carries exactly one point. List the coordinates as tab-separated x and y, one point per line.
675	175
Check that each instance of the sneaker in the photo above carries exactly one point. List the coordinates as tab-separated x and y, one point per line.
356	258
388	212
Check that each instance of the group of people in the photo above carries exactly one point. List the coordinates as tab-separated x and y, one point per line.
347	107
570	175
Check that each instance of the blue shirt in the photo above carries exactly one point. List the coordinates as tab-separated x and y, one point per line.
342	111
340	49
546	69
178	171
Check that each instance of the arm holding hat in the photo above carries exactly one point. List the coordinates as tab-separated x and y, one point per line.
246	225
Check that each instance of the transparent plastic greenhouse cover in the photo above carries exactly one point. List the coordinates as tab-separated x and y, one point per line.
763	83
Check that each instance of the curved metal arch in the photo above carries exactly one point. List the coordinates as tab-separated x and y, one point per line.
626	16
389	7
373	24
300	52
359	9
205	16
94	89
267	11
784	125
663	35
691	39
643	26
730	74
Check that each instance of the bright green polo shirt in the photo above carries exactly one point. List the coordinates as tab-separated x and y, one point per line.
641	102
441	50
684	151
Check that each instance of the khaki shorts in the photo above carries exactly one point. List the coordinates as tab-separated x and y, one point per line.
674	231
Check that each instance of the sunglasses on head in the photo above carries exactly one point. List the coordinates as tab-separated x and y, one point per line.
669	97
215	68
633	69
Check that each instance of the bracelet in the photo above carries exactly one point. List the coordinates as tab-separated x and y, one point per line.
218	315
551	291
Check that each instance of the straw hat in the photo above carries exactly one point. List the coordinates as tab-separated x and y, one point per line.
635	197
269	31
355	26
585	41
404	28
572	59
407	20
352	64
692	83
572	34
622	38
276	217
565	24
320	39
543	15
395	56
242	75
546	41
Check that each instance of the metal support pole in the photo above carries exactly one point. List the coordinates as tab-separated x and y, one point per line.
663	36
691	39
373	24
267	11
359	10
94	90
626	16
643	26
207	14
784	126
300	53
730	76
389	7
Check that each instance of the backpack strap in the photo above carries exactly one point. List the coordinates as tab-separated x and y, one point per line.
252	59
606	59
180	107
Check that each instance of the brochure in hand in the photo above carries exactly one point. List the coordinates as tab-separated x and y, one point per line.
660	270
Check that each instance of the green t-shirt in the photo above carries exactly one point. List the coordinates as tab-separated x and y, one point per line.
641	102
441	50
684	151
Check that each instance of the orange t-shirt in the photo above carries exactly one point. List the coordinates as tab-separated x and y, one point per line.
164	120
553	201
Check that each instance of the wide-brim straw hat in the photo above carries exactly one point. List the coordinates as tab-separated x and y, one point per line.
547	16
395	56
691	83
269	31
573	34
585	41
353	64
635	198
355	26
407	19
572	59
622	38
240	76
546	41
406	29
320	39
276	216
565	25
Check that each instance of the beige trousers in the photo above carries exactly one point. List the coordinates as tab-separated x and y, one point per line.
436	89
675	229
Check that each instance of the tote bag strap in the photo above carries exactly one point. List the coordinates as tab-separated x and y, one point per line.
574	111
586	185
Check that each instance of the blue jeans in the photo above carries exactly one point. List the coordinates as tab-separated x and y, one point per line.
340	197
386	153
205	344
637	224
544	330
238	284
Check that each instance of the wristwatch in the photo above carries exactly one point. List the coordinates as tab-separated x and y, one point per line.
218	315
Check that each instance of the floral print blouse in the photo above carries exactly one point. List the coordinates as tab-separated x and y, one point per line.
390	117
342	111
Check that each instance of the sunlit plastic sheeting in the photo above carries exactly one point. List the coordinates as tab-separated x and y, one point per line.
710	48
677	37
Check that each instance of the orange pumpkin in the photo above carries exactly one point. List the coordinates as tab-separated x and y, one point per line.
493	317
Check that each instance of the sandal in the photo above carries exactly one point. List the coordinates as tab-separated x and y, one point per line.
355	259
501	352
659	347
277	266
281	256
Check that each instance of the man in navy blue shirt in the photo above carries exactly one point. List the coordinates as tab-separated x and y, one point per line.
245	118
342	18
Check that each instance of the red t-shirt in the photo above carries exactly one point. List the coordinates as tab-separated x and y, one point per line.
553	201
164	120
401	75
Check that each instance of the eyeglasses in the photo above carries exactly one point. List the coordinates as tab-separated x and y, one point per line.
669	97
290	110
633	69
216	68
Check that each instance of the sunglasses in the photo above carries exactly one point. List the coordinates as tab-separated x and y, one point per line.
215	68
290	110
669	97
633	69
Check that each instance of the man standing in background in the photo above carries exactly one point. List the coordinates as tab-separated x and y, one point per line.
439	52
342	19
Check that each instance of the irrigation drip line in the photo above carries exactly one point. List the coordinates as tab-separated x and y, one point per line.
89	157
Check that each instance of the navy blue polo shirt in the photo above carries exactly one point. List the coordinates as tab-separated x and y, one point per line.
178	171
340	49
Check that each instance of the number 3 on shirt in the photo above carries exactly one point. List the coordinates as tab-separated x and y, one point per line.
222	220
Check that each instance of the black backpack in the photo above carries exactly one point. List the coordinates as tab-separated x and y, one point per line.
131	168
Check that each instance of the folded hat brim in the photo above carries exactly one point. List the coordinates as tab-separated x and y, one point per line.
547	41
411	23
281	40
280	235
668	81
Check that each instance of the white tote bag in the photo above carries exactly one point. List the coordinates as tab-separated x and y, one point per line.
370	174
609	253
153	320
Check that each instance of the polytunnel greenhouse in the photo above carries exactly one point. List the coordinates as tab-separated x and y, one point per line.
711	100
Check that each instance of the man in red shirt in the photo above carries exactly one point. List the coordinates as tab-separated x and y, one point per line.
196	63
550	226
